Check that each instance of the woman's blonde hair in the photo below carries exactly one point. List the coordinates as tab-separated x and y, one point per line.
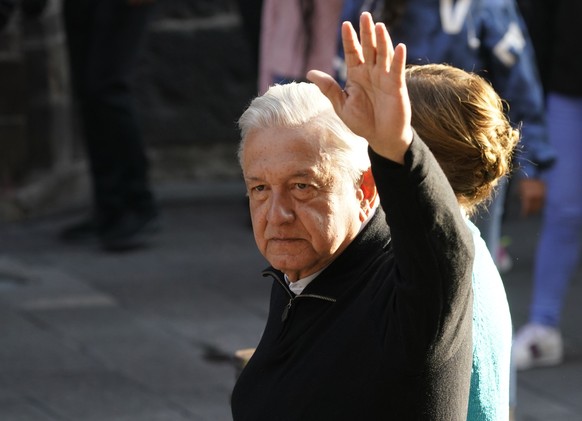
463	121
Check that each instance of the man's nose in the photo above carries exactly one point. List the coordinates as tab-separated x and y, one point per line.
280	208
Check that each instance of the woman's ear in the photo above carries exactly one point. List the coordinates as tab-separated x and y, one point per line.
369	194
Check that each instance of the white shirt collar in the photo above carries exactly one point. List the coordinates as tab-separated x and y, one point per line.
298	286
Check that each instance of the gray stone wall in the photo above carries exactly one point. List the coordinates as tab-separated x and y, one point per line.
194	79
36	145
13	119
195	73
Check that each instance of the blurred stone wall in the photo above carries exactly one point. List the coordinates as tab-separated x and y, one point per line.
194	79
35	125
193	83
13	106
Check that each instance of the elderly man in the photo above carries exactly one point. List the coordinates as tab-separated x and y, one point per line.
366	322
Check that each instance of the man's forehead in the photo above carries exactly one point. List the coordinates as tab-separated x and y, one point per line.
287	170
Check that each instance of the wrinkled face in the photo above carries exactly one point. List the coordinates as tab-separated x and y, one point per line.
304	212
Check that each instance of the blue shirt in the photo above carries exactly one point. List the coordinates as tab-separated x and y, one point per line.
492	331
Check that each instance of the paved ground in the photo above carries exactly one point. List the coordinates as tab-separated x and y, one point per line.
149	335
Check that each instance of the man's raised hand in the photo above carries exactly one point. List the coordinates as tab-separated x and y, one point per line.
374	103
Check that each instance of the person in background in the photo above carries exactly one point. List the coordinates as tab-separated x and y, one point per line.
474	143
487	37
297	35
104	39
555	27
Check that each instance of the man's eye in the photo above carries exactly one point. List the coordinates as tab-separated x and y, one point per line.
258	188
301	186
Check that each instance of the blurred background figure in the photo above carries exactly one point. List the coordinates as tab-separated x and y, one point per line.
457	131
556	31
104	39
291	43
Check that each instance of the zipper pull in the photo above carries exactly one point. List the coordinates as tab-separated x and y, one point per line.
286	310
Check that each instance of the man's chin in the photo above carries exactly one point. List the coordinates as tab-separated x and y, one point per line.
286	265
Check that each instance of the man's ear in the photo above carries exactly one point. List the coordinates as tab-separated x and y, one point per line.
369	193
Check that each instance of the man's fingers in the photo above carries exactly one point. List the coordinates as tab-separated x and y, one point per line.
368	38
383	47
328	86
398	66
352	49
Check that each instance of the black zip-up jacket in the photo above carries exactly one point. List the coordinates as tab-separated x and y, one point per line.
384	332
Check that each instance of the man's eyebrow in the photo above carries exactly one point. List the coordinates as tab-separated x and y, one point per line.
306	173
309	173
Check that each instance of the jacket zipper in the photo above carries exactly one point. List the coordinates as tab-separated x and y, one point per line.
293	297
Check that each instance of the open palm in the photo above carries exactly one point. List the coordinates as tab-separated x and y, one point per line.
375	103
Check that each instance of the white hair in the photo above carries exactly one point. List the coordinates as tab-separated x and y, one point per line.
301	104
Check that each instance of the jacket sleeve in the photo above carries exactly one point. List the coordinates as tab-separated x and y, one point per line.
433	252
513	72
